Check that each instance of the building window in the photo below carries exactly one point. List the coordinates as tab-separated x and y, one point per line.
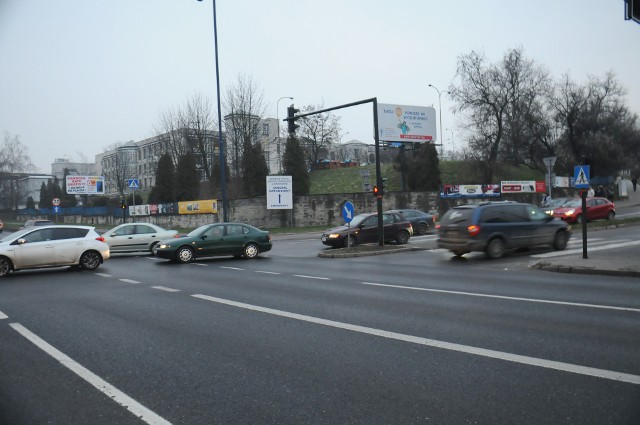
265	129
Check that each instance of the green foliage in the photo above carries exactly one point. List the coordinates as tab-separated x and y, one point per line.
164	190
67	200
254	170
139	200
187	179
30	203
45	196
295	165
421	167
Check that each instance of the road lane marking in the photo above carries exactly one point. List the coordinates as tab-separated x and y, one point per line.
3	316
200	264
466	349
579	250
164	288
505	297
129	281
103	274
311	277
265	272
231	268
103	386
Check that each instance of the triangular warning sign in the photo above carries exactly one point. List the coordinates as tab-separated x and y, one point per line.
582	178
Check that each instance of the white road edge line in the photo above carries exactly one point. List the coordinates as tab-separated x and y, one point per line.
103	386
311	277
3	316
504	297
164	288
499	355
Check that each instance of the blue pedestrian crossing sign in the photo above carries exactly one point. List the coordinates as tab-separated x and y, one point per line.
581	176
133	184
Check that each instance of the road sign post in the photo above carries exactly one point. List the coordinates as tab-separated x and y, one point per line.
581	177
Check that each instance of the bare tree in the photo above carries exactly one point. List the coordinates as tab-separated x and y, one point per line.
120	166
317	133
14	159
501	101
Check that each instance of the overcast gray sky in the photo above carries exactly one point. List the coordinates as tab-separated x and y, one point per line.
79	75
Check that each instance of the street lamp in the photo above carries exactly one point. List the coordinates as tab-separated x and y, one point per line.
452	143
440	112
223	183
278	142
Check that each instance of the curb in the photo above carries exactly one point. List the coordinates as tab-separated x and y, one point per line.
584	270
381	251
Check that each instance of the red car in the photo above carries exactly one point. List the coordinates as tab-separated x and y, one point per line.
597	208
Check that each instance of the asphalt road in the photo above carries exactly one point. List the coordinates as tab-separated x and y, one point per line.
289	338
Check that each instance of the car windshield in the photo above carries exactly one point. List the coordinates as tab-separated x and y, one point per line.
358	219
573	203
199	230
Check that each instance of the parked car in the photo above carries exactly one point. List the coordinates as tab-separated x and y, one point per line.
597	208
552	204
364	229
132	237
36	222
495	227
237	239
421	221
52	246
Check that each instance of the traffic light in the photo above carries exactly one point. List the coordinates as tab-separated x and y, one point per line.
291	121
632	10
376	191
123	205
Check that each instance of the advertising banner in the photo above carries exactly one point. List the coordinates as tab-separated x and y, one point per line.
470	191
139	209
403	123
85	185
209	206
523	186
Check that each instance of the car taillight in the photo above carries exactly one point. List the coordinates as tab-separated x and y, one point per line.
433	218
437	226
100	238
176	236
473	230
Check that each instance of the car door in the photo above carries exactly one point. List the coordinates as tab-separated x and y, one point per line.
70	244
508	221
543	233
368	231
35	249
121	239
592	209
143	236
212	241
235	238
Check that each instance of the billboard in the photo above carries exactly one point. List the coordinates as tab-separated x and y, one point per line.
470	191
279	192
209	206
403	123
85	185
523	186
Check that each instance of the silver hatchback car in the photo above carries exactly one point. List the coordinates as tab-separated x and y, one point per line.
52	246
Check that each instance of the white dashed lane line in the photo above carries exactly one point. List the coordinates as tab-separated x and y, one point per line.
231	268
3	316
129	281
164	288
311	277
265	272
103	274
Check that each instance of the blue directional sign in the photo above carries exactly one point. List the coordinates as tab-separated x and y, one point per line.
581	176
348	212
56	209
133	184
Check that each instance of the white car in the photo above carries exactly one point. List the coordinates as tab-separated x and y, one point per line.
52	246
134	237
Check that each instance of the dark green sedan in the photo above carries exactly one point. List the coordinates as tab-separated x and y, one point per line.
237	239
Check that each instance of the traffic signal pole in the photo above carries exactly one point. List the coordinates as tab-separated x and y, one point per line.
291	118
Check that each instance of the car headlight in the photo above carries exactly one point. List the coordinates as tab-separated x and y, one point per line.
334	235
163	246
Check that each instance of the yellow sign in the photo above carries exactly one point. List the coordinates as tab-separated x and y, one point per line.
209	206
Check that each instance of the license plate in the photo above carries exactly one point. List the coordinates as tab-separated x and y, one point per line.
324	239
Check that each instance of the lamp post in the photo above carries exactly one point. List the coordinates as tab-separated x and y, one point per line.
223	183
452	143
440	113
278	140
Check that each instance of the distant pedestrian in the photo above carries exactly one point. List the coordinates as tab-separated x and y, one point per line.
634	181
590	192
600	192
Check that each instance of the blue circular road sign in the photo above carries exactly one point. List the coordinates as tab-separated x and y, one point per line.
348	212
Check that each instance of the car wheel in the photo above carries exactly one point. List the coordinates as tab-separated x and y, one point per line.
495	249
402	237
251	250
5	266
184	254
154	248
350	240
90	260
560	241
611	216
422	228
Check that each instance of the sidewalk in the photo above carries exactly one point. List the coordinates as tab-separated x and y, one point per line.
603	262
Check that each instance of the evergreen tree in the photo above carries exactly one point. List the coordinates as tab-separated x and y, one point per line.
423	168
30	203
187	178
66	200
295	165
254	170
164	190
45	196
